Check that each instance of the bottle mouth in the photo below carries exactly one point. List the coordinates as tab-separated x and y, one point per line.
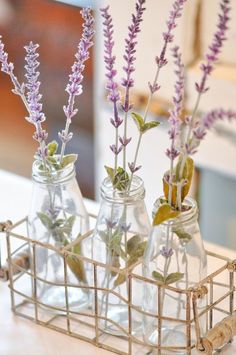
135	192
189	212
54	176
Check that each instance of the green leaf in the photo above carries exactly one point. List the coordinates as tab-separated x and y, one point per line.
52	148
121	179
181	234
69	159
110	172
158	276
52	161
164	213
149	125
139	121
46	221
121	278
76	265
137	253
104	236
132	243
173	277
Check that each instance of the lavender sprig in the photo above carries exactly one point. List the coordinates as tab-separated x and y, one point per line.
111	86
175	113
129	57
161	61
211	58
36	116
74	87
206	123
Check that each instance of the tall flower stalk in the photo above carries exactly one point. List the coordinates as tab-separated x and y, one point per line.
129	57
161	61
29	93
191	130
111	86
36	116
207	68
74	87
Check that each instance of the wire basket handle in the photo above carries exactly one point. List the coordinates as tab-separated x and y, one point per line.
221	334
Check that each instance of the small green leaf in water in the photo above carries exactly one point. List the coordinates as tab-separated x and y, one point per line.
181	234
132	243
119	280
46	221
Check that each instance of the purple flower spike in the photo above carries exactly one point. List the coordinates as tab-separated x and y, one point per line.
215	48
215	115
168	36
74	87
33	98
130	50
167	253
112	86
33	85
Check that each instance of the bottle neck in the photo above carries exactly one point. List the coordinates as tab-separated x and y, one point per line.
52	177
135	193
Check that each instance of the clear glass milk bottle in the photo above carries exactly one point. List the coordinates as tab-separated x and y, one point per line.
119	240
175	257
57	217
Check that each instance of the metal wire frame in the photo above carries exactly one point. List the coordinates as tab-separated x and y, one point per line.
89	318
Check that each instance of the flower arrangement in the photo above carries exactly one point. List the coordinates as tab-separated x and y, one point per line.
186	132
119	175
31	97
57	214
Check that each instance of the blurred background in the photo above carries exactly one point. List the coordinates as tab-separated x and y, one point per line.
56	26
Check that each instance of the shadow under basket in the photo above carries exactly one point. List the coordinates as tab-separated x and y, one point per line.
217	289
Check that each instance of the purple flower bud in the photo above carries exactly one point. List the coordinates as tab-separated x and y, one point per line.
65	137
153	88
172	153
42	153
116	150
167	253
110	223
124	141
125	227
133	168
40	136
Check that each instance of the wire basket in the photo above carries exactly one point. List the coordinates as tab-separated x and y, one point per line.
218	289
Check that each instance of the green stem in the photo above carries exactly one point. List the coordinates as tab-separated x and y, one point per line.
63	147
125	137
144	118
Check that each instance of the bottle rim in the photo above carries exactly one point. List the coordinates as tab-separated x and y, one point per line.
136	191
52	177
186	216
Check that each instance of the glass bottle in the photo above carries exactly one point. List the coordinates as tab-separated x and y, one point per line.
119	240
174	256
58	216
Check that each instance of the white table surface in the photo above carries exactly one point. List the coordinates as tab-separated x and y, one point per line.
19	336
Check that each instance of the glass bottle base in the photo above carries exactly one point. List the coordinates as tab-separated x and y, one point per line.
119	315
